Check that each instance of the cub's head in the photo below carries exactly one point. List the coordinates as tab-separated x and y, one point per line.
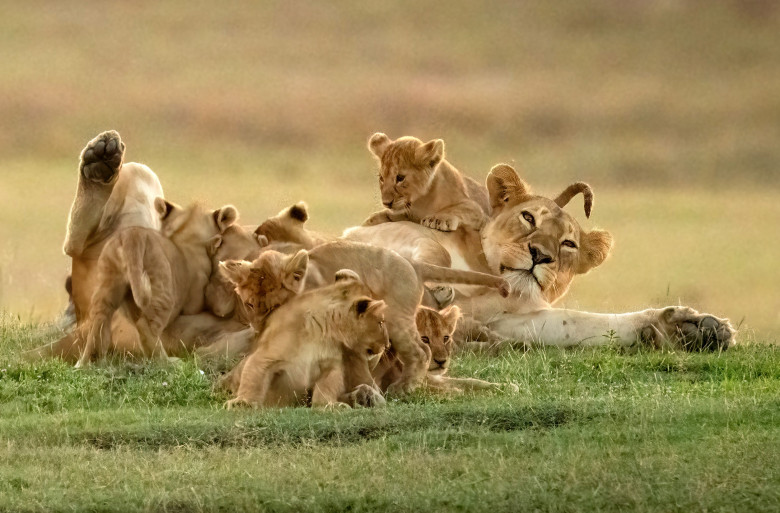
193	224
268	282
437	333
406	167
363	324
535	245
288	227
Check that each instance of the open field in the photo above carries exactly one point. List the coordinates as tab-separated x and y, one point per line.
589	430
669	109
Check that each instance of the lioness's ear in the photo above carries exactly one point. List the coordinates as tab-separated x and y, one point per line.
225	217
299	212
505	187
430	153
235	270
378	143
213	245
261	239
595	247
451	315
295	271
346	275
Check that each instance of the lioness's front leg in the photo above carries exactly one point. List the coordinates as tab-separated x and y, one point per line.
678	326
386	216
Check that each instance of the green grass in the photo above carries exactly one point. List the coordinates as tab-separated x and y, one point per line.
589	430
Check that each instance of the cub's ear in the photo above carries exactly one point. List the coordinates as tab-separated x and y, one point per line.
225	217
595	247
298	212
378	143
213	244
236	271
294	271
451	315
261	239
368	306
347	275
430	154
505	187
164	207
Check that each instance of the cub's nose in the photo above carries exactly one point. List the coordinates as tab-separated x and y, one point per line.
538	255
440	362
388	204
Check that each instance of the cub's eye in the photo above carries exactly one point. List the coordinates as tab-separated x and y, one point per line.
369	351
569	244
381	180
426	340
446	338
251	306
529	217
399	178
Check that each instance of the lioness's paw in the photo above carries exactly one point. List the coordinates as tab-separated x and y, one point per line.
689	330
443	223
366	396
400	389
102	157
443	294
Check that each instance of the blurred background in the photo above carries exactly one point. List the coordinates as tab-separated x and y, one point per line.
669	109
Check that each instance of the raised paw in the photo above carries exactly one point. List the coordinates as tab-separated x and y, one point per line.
102	157
443	223
366	396
688	329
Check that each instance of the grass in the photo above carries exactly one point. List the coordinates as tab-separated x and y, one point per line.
589	430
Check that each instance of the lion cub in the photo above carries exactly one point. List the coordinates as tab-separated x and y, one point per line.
312	345
418	185
437	329
156	274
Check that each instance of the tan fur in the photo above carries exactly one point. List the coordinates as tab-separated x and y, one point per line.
399	283
288	227
419	185
165	271
539	248
302	349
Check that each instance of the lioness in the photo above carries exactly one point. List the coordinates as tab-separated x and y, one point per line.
301	350
166	271
419	185
539	248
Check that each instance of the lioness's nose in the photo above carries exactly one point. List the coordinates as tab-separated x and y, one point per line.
440	362
538	255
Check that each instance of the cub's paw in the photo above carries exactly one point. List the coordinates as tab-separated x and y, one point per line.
377	218
443	294
400	389
688	329
366	396
101	159
443	223
337	406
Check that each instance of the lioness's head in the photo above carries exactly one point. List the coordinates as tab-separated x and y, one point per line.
436	330
406	167
533	242
268	282
288	227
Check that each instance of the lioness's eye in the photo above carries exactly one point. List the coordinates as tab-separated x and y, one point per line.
446	338
426	340
569	244
381	180
399	178
529	217
251	306
370	351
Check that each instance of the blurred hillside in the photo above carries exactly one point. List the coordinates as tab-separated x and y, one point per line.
663	106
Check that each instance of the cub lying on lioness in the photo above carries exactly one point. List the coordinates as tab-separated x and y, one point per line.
437	336
166	272
301	350
418	185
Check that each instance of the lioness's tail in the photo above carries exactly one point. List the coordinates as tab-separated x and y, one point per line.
134	249
435	273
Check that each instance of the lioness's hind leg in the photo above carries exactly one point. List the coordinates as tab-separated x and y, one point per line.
102	157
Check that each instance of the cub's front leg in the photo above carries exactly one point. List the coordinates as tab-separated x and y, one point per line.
329	388
466	214
386	216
